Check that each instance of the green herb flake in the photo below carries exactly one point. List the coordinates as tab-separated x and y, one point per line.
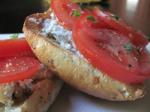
115	16
76	13
14	36
91	18
128	47
148	37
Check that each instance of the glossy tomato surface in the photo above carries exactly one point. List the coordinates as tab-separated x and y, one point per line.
14	47
66	12
112	47
18	68
108	44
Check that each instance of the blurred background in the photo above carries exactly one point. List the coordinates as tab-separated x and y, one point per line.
13	12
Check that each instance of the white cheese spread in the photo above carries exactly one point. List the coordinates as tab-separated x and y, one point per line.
11	109
148	47
62	35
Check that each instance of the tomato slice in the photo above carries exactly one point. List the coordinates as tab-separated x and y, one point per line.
63	10
18	68
14	47
121	27
109	45
109	48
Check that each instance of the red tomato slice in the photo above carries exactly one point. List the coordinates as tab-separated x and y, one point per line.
121	27
108	48
14	47
63	10
18	68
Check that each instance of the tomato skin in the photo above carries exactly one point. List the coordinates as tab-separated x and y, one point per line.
84	35
14	47
119	25
18	68
63	10
102	44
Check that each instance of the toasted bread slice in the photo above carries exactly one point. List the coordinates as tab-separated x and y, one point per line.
44	93
73	69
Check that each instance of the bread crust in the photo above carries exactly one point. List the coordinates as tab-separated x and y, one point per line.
74	70
44	94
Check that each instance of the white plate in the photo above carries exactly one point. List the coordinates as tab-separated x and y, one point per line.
71	100
7	36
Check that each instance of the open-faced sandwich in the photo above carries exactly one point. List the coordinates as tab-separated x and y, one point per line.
91	50
25	84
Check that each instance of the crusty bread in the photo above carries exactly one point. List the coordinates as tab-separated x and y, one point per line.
74	70
44	94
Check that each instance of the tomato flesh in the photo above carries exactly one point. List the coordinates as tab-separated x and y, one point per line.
14	47
121	27
18	68
63	10
103	45
109	45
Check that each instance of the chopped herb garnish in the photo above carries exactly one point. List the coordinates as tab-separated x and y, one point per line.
91	18
148	37
76	13
115	16
14	36
128	47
